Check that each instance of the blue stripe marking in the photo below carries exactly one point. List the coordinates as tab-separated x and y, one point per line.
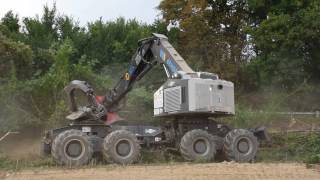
172	66
131	70
162	54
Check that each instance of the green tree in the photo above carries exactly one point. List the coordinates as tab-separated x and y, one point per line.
41	32
11	21
14	56
212	33
10	27
286	42
114	42
15	67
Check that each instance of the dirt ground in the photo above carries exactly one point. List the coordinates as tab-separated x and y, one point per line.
183	171
24	145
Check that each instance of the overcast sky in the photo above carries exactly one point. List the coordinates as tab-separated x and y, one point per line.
87	10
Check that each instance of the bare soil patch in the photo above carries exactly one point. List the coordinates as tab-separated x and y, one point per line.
183	171
24	145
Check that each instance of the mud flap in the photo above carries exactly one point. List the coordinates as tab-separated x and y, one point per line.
261	133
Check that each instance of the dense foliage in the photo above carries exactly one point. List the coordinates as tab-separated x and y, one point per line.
38	59
254	43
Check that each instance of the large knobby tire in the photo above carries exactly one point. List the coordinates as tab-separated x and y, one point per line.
72	148
198	145
240	145
121	147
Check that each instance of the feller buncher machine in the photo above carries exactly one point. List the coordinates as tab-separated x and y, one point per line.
188	104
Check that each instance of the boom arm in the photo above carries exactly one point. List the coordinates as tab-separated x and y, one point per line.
151	51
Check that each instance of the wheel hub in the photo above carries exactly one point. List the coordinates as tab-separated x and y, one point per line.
243	146
123	148
200	146
74	148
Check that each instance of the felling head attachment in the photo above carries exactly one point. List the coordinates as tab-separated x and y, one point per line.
93	110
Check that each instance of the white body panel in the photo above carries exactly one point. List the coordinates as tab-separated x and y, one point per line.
200	95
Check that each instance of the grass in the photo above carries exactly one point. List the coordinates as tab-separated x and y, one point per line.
293	147
10	164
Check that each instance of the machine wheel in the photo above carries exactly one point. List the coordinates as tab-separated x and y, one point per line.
72	148
198	145
121	147
240	145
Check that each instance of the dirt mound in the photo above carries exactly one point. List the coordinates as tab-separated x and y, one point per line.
222	171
